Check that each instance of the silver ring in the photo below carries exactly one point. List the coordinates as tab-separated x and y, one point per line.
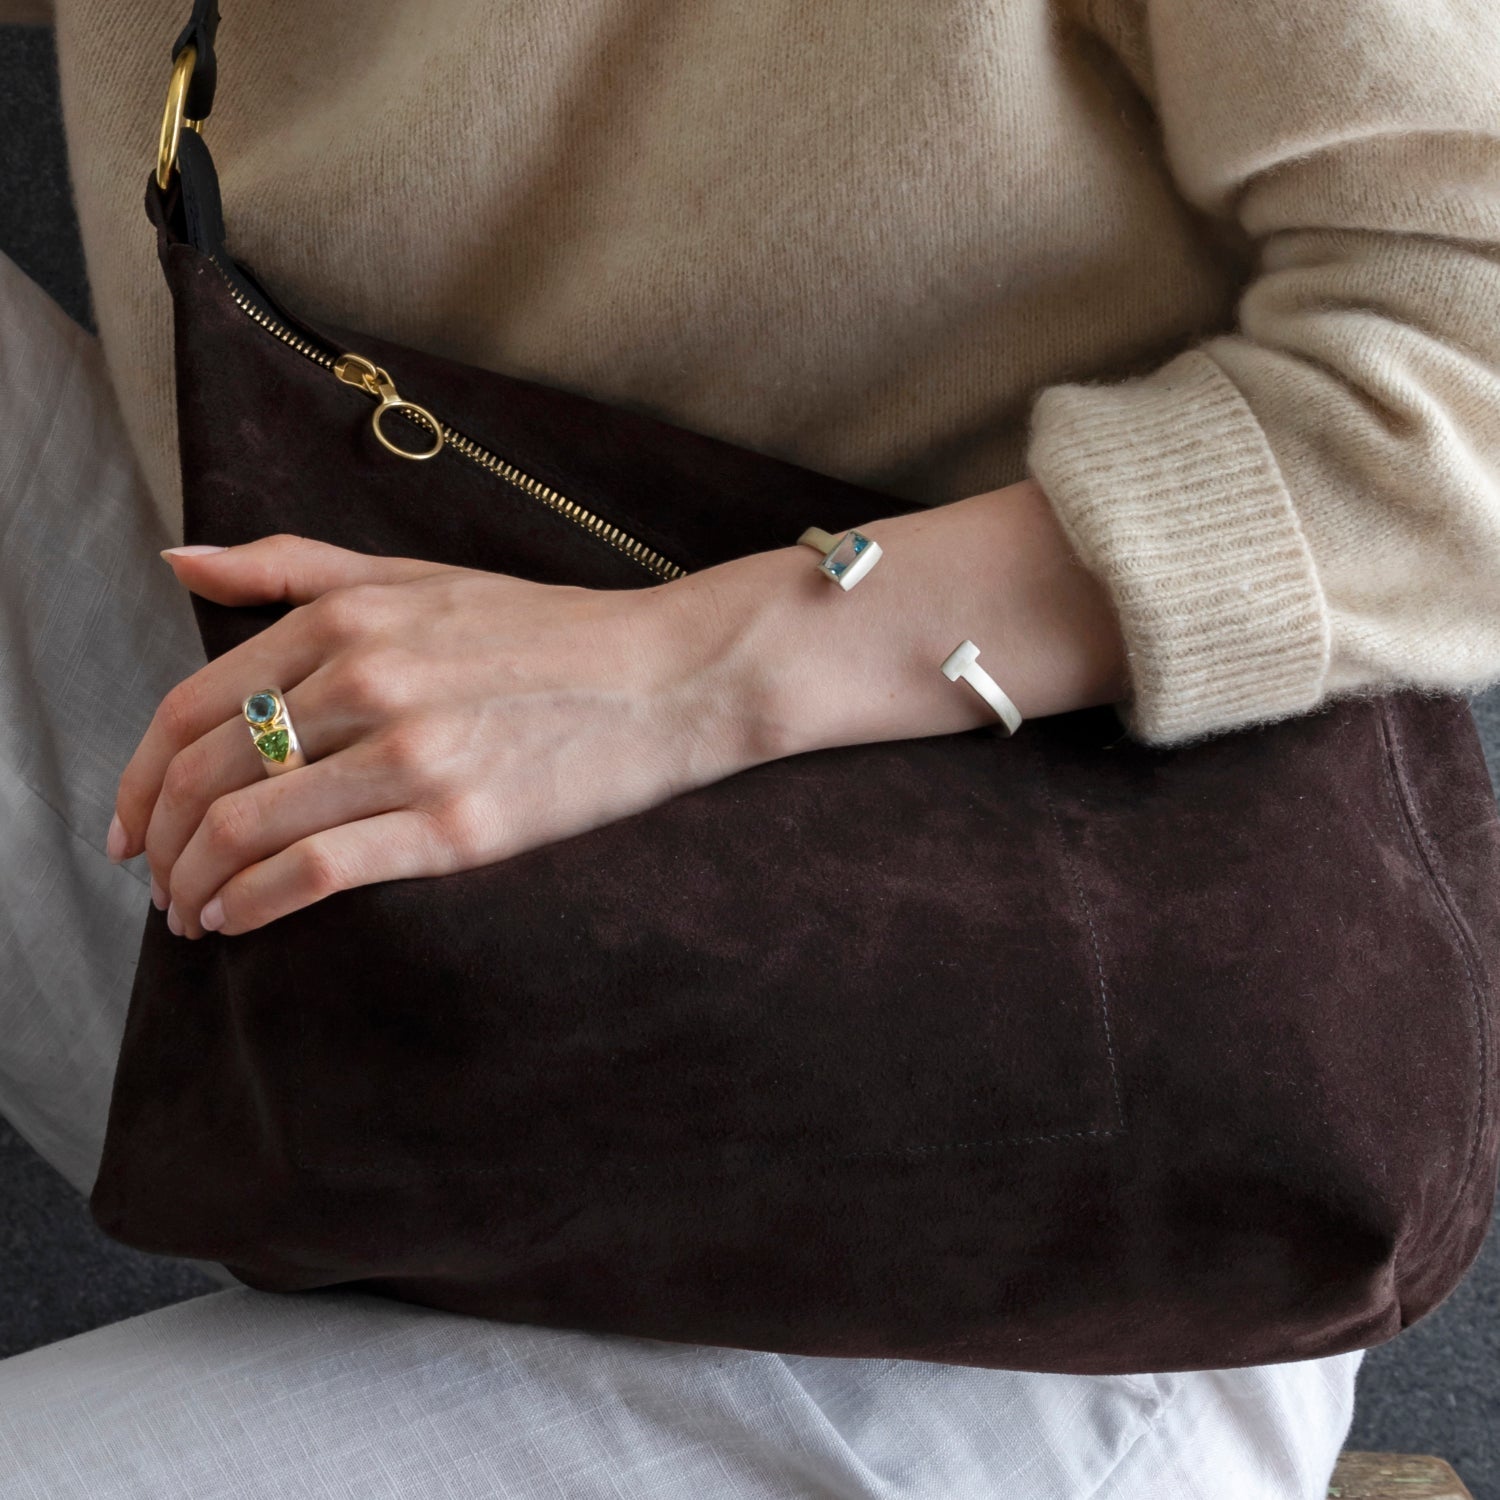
272	731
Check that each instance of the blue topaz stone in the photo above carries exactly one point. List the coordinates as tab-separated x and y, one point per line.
260	708
850	558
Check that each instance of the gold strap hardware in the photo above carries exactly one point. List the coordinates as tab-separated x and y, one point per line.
174	118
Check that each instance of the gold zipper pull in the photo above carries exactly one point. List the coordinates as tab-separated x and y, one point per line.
355	369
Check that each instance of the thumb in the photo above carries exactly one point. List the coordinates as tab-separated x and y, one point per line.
283	567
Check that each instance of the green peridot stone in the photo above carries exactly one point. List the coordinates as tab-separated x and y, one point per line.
274	746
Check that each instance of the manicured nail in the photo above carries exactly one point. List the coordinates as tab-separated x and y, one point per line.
158	895
173	920
196	550
114	841
212	915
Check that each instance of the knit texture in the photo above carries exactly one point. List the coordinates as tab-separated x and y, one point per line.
1224	275
1170	491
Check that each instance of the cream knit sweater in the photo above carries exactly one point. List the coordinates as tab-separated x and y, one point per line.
1223	275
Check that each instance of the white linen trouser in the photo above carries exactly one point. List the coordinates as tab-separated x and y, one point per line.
242	1394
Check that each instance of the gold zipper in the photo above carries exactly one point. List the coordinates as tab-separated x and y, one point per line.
356	370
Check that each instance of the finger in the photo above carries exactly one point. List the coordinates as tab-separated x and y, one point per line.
224	762
389	846
282	655
210	704
254	822
288	568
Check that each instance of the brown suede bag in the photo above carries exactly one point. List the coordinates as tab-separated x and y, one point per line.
1054	1053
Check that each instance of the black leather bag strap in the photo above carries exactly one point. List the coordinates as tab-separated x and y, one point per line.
190	204
199	33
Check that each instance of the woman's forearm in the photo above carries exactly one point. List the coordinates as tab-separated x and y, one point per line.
789	662
454	717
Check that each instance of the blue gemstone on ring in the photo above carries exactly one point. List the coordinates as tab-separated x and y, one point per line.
260	708
850	555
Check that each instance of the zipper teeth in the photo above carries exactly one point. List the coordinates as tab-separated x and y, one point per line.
477	453
281	331
632	547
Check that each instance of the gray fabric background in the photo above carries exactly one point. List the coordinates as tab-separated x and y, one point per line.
1434	1389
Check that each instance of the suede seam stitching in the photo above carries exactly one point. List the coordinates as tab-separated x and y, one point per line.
679	1168
1101	990
1398	787
708	1168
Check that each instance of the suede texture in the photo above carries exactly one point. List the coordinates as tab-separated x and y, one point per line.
1056	1053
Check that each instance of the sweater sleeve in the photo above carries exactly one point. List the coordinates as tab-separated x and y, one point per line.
1308	506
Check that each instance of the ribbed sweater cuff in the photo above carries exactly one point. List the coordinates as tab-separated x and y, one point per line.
1170	494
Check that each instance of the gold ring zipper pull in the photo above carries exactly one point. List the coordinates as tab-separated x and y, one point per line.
355	369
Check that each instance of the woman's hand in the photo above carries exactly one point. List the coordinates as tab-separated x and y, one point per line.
451	717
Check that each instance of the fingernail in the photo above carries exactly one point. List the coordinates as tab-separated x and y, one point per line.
212	915
158	895
173	920
114	841
196	550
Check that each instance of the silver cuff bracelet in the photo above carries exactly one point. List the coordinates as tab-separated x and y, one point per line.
963	661
846	558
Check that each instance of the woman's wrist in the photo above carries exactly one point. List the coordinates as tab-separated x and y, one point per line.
783	661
